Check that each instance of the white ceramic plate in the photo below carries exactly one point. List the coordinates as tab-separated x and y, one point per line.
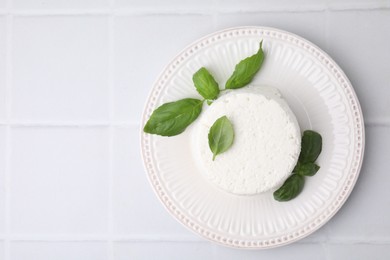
321	97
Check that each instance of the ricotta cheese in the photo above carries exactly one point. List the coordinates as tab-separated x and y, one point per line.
266	145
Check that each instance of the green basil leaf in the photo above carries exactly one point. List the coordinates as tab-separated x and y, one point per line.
290	188
246	70
221	136
205	84
296	168
173	118
311	146
306	169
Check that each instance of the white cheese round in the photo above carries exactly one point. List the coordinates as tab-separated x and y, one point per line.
267	141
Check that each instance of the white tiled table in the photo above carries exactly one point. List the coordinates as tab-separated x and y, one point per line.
74	75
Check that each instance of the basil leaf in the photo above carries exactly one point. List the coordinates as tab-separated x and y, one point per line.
221	136
311	146
306	169
246	70
173	118
310	150
290	188
205	84
296	168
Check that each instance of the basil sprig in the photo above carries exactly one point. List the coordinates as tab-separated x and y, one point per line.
246	70
173	118
311	147
221	136
205	84
306	169
291	188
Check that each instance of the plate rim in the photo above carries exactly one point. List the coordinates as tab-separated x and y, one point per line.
341	78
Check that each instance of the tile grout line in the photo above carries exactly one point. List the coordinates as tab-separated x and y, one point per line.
326	29
214	15
183	11
69	124
8	102
165	239
111	85
375	122
7	193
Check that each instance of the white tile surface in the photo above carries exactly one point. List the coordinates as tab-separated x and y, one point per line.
269	5
358	41
60	68
347	4
53	4
358	252
58	251
3	52
298	5
3	136
135	70
296	251
206	250
308	25
137	213
163	251
79	73
167	5
59	180
2	252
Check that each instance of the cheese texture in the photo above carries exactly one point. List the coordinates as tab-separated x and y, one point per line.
266	145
